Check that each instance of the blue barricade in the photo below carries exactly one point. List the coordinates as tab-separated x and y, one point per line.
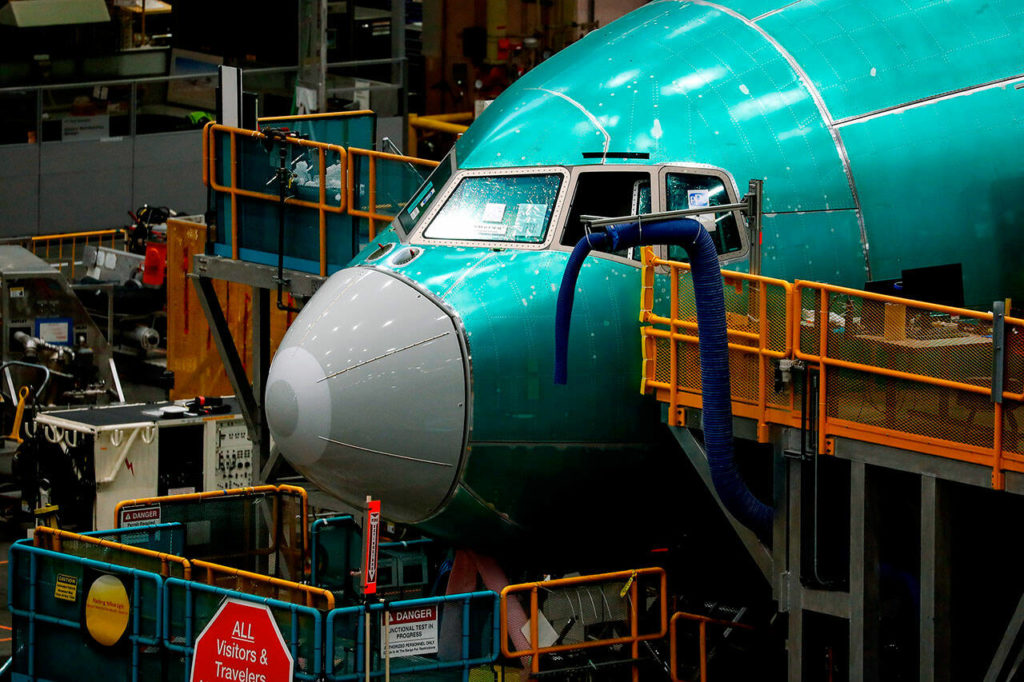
454	633
189	606
80	616
111	622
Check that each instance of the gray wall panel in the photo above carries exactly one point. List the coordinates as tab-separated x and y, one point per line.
169	171
85	185
19	189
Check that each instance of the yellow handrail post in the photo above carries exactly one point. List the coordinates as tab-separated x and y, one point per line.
673	403
703	634
823	352
234	196
762	365
634	625
321	214
534	631
372	204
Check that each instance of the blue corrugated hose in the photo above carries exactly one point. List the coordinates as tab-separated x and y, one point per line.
714	348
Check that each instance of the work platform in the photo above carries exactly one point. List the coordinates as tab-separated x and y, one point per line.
892	428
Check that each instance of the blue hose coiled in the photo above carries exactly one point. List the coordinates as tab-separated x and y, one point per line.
714	347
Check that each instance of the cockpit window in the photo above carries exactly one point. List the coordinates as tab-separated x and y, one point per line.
504	208
692	190
425	195
607	194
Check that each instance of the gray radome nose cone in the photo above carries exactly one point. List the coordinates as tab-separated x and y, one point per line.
367	394
284	408
297	405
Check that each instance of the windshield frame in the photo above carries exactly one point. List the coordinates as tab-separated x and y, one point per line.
732	191
553	226
396	222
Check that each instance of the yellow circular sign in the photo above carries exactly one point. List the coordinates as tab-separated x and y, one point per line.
107	610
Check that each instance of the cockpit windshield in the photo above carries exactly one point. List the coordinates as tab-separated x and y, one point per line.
501	208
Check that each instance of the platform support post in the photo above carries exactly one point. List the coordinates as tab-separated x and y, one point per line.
864	576
233	364
935	581
794	590
260	370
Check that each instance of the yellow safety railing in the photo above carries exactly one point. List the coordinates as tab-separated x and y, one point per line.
348	203
702	634
205	572
299	527
262	585
625	582
234	191
438	123
298	118
895	372
55	248
373	158
758	332
54	540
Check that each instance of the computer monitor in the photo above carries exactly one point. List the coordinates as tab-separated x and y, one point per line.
939	284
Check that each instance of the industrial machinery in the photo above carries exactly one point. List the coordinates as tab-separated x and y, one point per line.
52	354
86	460
125	289
45	325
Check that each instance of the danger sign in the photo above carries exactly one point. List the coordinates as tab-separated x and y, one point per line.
412	632
242	643
139	516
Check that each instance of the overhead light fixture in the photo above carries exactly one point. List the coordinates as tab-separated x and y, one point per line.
32	13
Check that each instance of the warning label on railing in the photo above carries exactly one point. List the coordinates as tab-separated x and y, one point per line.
412	632
139	516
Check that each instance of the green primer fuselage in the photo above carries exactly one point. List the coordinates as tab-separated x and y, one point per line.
888	136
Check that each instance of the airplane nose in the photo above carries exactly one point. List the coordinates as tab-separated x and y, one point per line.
367	394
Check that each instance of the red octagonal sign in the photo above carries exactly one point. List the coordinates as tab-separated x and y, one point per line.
241	644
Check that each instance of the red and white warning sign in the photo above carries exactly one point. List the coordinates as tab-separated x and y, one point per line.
139	516
412	632
242	643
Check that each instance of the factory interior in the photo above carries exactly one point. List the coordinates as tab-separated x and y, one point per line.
486	340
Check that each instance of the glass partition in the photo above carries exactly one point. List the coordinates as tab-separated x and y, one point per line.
19	111
120	108
88	112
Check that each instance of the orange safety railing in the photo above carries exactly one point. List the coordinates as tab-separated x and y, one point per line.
298	118
300	493
347	159
438	123
69	243
758	332
373	157
702	634
234	191
262	585
895	372
911	375
53	539
205	572
629	581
